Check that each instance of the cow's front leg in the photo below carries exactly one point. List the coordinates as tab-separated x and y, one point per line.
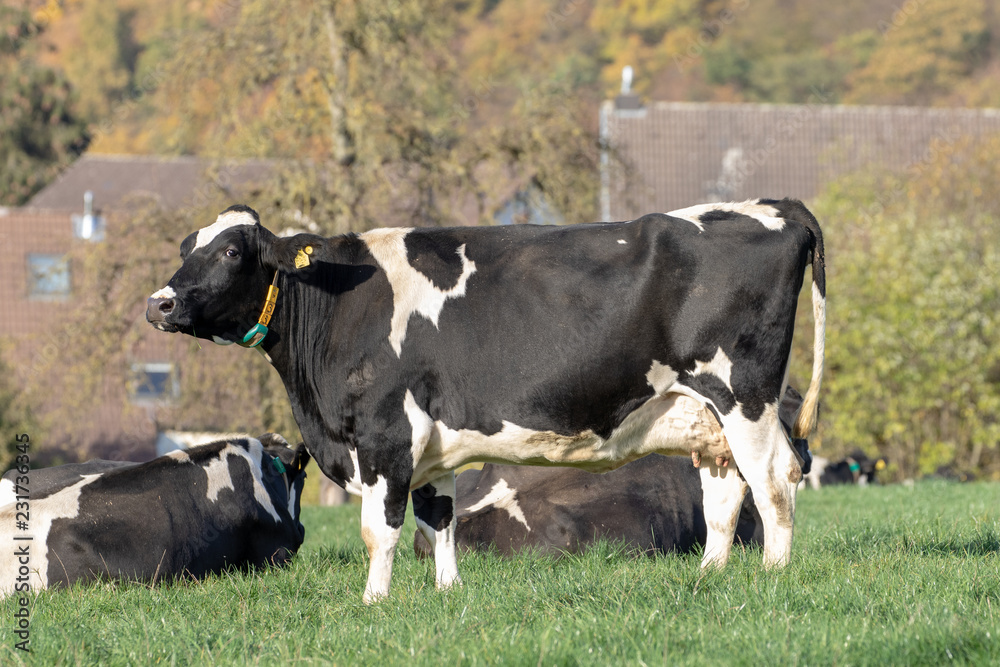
383	506
434	510
722	491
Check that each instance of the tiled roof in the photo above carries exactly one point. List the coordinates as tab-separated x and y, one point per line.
175	181
682	153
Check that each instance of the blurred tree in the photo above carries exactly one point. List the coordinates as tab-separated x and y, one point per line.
928	48
40	130
650	36
98	67
374	115
913	344
15	416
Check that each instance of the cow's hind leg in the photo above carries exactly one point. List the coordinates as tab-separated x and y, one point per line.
434	510
722	496
765	458
383	507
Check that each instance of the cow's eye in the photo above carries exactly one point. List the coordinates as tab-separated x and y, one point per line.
232	252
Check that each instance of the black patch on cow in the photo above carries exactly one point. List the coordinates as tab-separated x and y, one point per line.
713	388
434	510
729	216
793	209
436	256
711	408
47	481
187	245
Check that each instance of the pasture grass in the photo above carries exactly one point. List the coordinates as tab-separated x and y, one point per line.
887	575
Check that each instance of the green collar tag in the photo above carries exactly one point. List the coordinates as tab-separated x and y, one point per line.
853	465
255	336
278	465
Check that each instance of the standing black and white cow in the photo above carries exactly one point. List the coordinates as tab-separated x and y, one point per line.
232	503
409	352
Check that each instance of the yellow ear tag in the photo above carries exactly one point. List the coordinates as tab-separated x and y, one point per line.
302	258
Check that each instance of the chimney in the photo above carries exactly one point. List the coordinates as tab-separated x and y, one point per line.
88	226
627	100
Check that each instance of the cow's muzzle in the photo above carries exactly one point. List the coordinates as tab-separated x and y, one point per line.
157	311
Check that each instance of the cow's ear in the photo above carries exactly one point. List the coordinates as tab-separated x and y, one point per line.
290	253
301	458
272	440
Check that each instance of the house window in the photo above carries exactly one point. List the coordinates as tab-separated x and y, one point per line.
48	276
153	382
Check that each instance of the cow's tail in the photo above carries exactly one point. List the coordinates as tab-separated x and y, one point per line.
792	209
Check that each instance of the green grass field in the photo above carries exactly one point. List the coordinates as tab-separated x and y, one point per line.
890	575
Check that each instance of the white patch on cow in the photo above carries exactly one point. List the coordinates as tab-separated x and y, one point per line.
222	341
720	366
763	213
722	491
292	494
179	455
505	498
668	424
353	485
380	538
622	242
225	221
218	475
421	425
7	492
661	377
219	478
412	291
165	293
64	504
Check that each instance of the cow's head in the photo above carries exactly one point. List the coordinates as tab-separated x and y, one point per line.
284	474
221	289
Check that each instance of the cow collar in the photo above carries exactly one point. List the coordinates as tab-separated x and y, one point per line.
854	467
256	335
280	467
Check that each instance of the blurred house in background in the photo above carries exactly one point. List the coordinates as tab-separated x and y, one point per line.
37	288
675	154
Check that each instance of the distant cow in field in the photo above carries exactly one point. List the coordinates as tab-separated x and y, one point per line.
653	504
407	353
857	468
232	503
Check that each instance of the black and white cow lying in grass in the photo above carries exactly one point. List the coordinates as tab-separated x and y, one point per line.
407	353
653	504
857	468
231	503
